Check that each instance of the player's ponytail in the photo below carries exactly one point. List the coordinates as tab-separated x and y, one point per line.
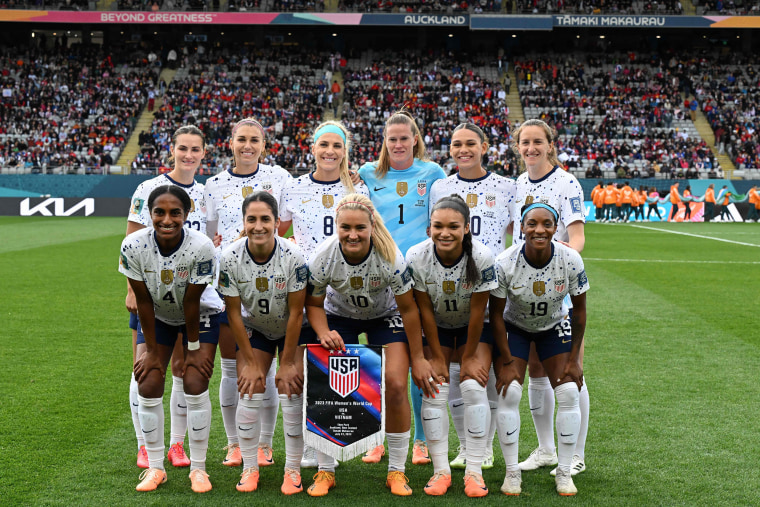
456	203
381	238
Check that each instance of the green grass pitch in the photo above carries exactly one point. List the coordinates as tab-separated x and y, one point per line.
672	360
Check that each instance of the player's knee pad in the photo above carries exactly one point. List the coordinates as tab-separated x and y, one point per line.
568	413
199	424
149	424
508	417
228	392
270	399
475	418
247	416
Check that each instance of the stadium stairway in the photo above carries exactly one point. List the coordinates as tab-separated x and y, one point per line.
144	122
328	114
331	5
516	113
706	132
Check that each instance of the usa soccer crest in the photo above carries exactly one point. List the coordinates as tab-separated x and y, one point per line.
421	187
402	188
267	187
539	288
472	200
449	287
262	283
357	282
246	191
559	285
167	276
344	374
183	272
328	201
490	200
374	280
279	282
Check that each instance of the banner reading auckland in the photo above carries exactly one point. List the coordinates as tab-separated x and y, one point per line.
344	399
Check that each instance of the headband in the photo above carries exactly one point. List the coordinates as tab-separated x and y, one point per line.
371	215
539	205
330	129
247	121
449	202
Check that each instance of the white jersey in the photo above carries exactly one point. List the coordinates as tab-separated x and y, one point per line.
311	205
535	294
226	192
360	291
167	276
490	200
139	212
263	288
446	286
560	190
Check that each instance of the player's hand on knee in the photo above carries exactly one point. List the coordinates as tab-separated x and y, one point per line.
425	377
505	375
145	363
251	380
574	371
202	362
289	380
472	368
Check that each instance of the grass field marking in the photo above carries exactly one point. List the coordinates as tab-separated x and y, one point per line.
695	235
677	261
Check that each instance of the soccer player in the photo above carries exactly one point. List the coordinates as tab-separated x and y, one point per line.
489	197
359	283
225	193
188	148
169	268
534	279
399	185
267	274
453	276
545	182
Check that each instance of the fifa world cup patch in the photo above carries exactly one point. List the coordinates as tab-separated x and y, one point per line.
224	279
123	261
137	206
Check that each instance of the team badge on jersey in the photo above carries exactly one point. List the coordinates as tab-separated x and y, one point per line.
375	280
344	374
182	272
449	287
246	191
262	283
205	268
575	204
559	285
539	288
267	187
357	282
279	282
192	206
422	187
328	201
137	206
472	200
402	188
167	276
529	200
490	200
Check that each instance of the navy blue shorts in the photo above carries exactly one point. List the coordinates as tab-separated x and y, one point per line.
167	335
549	343
261	342
381	331
455	338
133	321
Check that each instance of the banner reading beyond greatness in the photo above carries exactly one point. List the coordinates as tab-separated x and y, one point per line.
344	399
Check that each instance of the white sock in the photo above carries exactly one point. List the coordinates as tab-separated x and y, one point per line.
508	416
292	422
541	399
133	405
325	462
249	429
456	403
435	422
568	423
580	447
398	449
228	398
199	419
269	407
477	421
493	404
177	411
151	413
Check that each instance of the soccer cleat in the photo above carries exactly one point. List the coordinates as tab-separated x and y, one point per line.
323	482
537	459
512	485
420	453
564	481
150	479
199	481
438	484
265	457
249	480
142	458
309	459
460	462
374	455
177	456
233	458
576	467
474	485
487	460
291	483
397	482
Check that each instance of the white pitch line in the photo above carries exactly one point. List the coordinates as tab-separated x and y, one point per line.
695	235
677	261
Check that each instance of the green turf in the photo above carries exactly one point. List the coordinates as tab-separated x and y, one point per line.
671	360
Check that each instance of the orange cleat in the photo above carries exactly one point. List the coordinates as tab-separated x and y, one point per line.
151	478
249	480
142	458
420	454
323	482
177	456
291	483
374	455
438	484
474	486
397	482
265	457
199	481
233	458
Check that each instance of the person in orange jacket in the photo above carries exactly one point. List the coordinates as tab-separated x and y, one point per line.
640	199
626	200
597	198
710	202
610	200
725	198
675	198
754	205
